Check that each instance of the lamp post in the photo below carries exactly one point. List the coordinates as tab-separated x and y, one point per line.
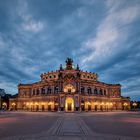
134	104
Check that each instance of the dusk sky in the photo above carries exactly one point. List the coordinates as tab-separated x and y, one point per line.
36	36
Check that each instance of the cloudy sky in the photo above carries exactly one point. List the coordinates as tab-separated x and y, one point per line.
101	36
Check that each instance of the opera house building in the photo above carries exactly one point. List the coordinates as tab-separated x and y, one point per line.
69	89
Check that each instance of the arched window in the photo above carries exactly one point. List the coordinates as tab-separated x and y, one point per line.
37	91
43	91
89	90
24	93
49	90
56	89
104	92
33	92
95	91
82	89
100	92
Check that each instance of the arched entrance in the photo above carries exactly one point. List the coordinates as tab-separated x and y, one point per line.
69	104
13	106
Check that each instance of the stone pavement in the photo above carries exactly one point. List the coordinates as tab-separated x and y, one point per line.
69	127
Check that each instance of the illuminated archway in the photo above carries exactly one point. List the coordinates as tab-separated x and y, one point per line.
69	88
14	106
69	104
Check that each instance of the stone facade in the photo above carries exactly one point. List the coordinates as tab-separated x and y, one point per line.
69	89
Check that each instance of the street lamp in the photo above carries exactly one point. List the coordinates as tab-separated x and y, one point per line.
134	104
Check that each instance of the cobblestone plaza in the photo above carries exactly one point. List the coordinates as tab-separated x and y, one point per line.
70	126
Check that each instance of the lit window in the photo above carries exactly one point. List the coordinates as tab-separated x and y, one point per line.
69	87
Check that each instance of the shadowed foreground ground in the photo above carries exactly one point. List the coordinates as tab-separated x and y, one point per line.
70	126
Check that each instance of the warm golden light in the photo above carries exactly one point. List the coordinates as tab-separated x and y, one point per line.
72	105
134	104
125	104
88	103
42	103
50	103
36	103
69	87
107	103
102	103
4	104
13	104
96	103
69	103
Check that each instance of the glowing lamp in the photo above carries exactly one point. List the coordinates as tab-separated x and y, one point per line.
134	104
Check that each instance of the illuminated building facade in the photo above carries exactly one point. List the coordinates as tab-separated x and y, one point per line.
69	89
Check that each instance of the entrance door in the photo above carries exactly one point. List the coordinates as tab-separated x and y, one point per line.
69	104
49	107
37	107
89	107
56	108
43	107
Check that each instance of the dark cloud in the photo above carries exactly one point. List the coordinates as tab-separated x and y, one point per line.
36	36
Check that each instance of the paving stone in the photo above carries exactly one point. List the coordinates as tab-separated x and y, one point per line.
69	127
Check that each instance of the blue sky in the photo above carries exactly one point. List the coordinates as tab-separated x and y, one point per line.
101	36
